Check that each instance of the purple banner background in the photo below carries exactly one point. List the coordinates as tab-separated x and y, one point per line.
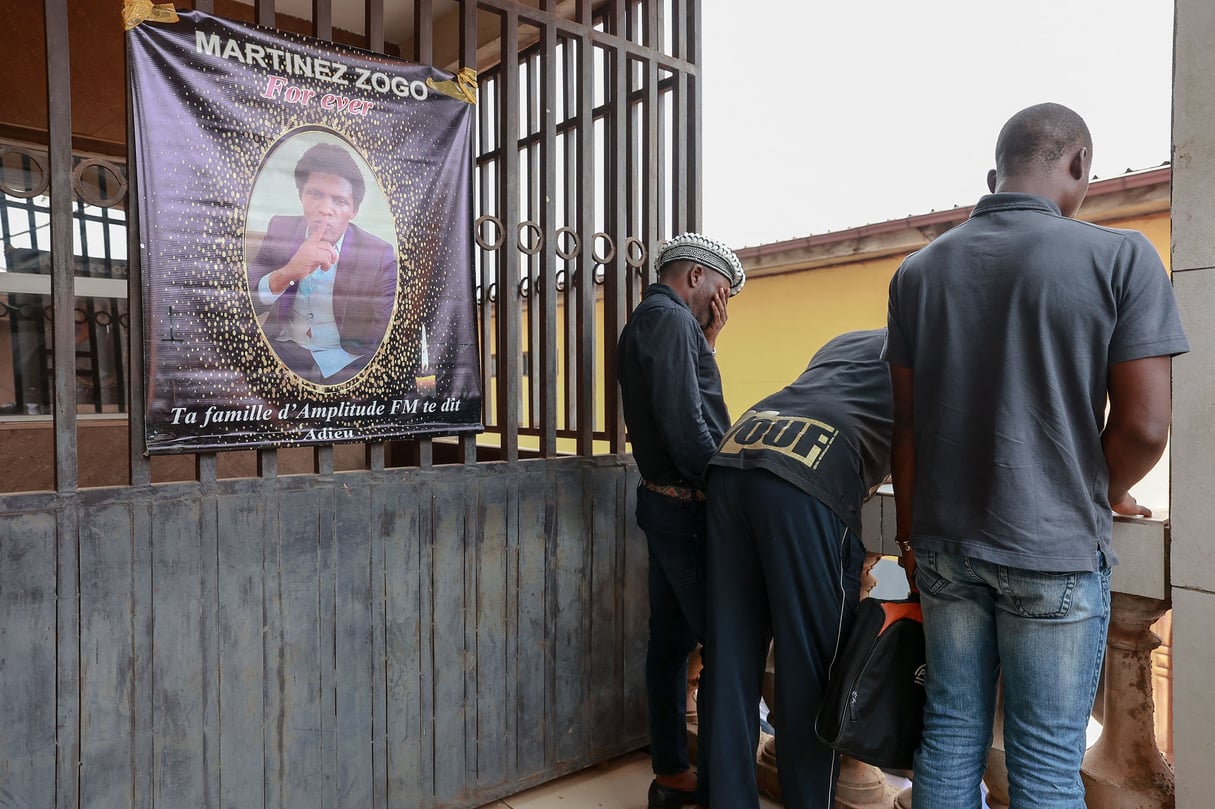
214	101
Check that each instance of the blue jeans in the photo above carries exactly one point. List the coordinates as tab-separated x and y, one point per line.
675	533
1045	634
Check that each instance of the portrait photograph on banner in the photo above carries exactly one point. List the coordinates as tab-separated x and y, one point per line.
305	224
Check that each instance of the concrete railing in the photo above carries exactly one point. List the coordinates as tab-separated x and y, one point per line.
1124	769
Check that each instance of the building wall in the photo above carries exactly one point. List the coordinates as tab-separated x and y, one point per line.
780	320
97	68
1193	513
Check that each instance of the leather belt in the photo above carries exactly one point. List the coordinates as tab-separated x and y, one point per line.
686	494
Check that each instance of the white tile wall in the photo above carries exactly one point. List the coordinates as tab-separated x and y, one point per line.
1193	707
1193	507
1193	136
1193	446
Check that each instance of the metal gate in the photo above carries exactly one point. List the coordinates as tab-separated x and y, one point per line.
419	623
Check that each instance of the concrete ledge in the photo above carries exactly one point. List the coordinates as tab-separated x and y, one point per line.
1142	546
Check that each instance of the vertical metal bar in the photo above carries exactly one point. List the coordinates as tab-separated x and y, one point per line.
638	187
322	28
59	159
267	459
423	52
569	144
586	227
468	56
488	256
489	372
546	285
423	32
68	646
80	225
263	11
467	453
616	127
205	469
116	351
533	190
679	29
425	451
374	25
653	162
140	467
657	11
90	317
267	463
629	180
375	456
694	157
322	19
508	305
67	623
682	135
322	460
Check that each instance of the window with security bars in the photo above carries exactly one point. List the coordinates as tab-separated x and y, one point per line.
100	279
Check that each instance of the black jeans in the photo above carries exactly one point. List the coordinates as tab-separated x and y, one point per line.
781	565
675	533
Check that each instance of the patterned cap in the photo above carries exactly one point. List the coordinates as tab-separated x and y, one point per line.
706	252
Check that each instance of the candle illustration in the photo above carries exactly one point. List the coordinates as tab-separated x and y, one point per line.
425	380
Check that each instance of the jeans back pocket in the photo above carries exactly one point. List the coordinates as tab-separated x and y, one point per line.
1037	594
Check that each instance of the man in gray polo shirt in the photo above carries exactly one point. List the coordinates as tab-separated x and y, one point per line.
1006	336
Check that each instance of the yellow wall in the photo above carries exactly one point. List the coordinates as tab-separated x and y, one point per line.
1158	229
778	321
564	445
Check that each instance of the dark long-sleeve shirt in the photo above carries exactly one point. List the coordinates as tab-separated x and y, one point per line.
671	390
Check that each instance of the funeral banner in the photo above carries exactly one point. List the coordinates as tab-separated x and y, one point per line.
305	224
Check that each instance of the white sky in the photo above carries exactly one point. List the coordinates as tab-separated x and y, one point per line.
822	115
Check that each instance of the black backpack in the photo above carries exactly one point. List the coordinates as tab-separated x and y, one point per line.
873	710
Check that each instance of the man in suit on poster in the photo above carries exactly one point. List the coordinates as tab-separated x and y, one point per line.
327	285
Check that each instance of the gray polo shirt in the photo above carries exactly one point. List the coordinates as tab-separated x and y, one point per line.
1010	322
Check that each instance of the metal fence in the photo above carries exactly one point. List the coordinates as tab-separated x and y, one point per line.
386	629
586	148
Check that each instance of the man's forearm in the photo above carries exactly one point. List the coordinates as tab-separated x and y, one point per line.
902	475
1130	454
1138	426
902	448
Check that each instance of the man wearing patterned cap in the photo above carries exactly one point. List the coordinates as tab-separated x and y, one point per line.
676	415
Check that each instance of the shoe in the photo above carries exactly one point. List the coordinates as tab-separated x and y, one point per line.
661	797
